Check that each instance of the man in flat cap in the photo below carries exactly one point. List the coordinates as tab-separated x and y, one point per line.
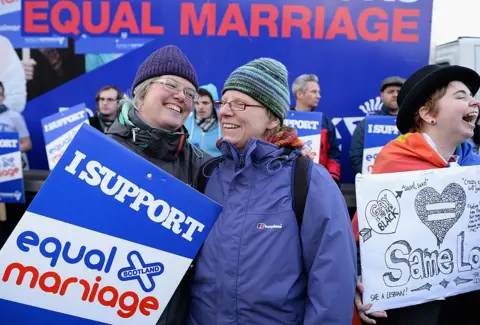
388	93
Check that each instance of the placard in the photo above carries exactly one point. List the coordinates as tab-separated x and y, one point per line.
11	172
107	239
419	235
309	128
59	130
379	130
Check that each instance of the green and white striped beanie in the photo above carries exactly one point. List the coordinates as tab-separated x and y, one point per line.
266	81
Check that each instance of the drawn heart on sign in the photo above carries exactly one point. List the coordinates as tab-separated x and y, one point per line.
439	212
383	214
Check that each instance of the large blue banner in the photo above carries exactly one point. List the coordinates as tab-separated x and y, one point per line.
10	27
11	172
98	45
351	46
379	130
107	239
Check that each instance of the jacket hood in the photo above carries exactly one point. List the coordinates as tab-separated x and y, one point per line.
214	93
156	142
256	152
211	89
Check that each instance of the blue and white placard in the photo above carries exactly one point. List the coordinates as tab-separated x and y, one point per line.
107	239
379	130
309	128
59	130
11	172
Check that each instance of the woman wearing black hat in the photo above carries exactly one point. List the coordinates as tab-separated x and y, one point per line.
437	115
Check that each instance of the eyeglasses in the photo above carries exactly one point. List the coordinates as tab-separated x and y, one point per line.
176	87
234	106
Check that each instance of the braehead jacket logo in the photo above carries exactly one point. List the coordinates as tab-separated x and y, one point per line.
371	106
141	271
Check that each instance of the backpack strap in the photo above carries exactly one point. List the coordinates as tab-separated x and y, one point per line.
301	182
206	169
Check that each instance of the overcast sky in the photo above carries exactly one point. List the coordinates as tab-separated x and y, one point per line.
455	18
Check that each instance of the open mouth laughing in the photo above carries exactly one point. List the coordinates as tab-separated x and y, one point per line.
470	118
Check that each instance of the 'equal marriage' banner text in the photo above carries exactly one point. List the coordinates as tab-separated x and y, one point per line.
419	235
279	19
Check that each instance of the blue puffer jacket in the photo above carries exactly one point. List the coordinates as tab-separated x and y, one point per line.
256	267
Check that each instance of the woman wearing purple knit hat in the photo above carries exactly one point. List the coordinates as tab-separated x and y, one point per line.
281	250
151	125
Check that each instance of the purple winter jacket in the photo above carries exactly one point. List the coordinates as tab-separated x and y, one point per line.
256	267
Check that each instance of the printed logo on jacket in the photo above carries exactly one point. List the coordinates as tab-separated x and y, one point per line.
107	239
379	130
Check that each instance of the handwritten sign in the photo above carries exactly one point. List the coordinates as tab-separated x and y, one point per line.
379	130
59	130
108	238
419	235
11	172
309	128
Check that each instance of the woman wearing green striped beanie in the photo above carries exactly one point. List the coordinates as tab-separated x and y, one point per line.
270	259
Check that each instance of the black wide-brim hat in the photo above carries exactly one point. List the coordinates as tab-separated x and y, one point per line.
423	83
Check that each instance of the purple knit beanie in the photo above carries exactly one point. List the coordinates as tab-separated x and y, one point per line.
166	60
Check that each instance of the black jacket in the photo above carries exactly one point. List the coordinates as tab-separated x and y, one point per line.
175	155
95	122
358	142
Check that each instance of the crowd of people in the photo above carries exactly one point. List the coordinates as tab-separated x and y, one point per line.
240	154
231	144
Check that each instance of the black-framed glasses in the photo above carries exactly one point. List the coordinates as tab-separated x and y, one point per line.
174	86
234	106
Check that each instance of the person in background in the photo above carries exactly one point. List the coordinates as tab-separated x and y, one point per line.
258	265
47	69
151	125
107	107
306	90
12	76
437	115
203	124
12	121
389	90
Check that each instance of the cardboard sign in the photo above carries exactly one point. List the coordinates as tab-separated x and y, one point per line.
379	130
419	235
59	130
309	128
108	238
11	172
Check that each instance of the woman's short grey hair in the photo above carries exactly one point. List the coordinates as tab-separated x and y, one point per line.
140	91
300	84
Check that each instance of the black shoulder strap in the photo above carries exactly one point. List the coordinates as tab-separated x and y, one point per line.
206	169
301	183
